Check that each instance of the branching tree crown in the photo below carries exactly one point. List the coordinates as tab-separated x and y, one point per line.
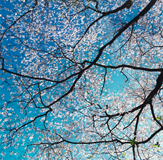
81	79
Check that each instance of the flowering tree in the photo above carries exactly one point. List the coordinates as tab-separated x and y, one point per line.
81	79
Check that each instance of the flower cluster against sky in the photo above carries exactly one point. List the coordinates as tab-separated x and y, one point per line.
81	79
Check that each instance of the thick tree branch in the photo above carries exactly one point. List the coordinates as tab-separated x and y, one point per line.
141	14
127	4
148	100
128	66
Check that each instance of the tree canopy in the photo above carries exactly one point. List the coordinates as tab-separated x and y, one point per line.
81	79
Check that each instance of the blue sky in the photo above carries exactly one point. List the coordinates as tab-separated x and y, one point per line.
20	150
36	59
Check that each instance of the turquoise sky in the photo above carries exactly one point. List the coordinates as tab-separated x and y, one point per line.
90	89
